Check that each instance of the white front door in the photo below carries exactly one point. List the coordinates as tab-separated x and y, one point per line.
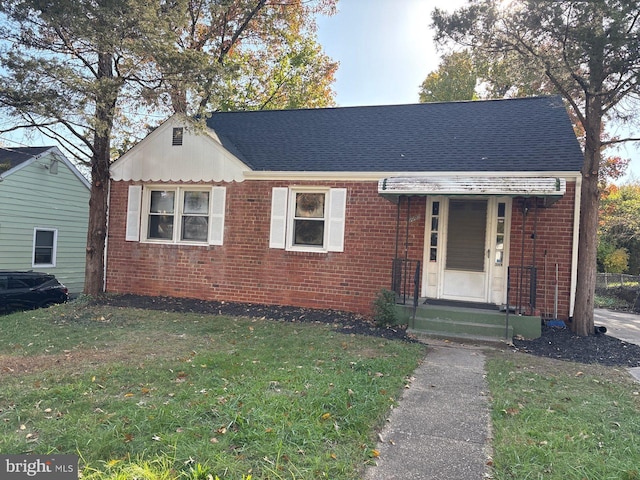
465	253
466	249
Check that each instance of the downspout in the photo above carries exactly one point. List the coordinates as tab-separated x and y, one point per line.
394	262
525	210
406	250
106	240
574	255
533	278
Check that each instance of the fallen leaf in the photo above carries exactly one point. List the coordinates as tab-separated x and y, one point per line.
326	416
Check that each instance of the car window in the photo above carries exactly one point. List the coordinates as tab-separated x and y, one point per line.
15	283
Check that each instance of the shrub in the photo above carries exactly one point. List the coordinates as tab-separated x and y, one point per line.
384	308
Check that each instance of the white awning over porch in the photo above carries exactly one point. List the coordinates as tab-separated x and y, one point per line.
551	187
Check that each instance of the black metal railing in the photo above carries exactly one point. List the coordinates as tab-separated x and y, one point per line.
405	280
522	285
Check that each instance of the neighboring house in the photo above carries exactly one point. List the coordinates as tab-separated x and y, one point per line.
44	214
323	208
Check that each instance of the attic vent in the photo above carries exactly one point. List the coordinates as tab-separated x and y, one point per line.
177	136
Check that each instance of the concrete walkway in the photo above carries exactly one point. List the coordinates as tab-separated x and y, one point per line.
441	427
622	325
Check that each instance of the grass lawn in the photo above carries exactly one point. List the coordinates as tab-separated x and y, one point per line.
167	396
562	420
155	395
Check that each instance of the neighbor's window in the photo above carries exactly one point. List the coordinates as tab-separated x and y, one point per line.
44	247
184	214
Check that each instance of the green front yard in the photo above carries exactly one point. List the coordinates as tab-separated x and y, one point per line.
155	395
188	396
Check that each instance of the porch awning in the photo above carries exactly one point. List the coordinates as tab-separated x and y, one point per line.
550	187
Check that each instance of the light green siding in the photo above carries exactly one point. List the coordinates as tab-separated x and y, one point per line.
33	197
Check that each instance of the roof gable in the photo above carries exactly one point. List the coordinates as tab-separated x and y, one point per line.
514	135
199	156
12	157
15	159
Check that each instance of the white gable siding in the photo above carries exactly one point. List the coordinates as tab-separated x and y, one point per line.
200	158
33	197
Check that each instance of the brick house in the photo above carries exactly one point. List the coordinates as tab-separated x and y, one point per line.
323	208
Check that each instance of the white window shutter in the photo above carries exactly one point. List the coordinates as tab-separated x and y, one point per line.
216	222
277	237
337	208
134	203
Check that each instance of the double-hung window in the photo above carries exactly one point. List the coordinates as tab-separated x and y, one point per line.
308	219
44	247
176	214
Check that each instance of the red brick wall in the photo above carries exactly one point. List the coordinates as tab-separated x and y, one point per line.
553	243
246	270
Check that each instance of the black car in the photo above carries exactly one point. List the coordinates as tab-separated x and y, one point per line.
27	290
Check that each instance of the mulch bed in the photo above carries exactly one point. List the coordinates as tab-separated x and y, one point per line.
559	343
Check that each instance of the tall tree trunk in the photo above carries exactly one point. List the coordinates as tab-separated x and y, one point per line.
97	231
588	239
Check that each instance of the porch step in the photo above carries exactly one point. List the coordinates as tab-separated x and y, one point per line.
448	328
468	323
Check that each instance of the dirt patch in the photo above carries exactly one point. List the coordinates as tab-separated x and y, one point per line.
76	361
554	343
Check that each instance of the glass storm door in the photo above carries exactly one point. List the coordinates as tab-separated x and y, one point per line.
465	269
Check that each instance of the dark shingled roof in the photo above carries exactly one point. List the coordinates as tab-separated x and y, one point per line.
522	135
12	157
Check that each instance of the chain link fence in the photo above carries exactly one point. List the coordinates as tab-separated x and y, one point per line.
610	280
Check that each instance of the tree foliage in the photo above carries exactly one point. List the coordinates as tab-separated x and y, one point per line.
590	53
82	72
619	224
257	54
455	79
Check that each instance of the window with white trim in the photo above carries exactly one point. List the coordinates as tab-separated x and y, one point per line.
44	247
308	219
176	214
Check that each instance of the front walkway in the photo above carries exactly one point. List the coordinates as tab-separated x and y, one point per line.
441	427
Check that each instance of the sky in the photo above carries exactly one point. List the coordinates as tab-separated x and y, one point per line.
385	49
